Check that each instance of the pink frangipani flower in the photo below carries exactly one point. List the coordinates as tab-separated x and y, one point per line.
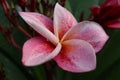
71	44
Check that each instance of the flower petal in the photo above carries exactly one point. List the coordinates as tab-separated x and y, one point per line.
41	24
113	24
76	56
90	32
110	3
104	13
38	50
95	9
63	21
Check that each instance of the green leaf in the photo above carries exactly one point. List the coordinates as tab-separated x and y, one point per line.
12	72
39	72
59	74
68	6
112	73
101	1
79	6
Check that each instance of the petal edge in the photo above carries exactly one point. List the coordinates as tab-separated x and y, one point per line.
41	24
90	32
63	20
38	50
76	56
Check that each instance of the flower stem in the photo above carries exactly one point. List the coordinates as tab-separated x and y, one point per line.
33	5
14	23
9	37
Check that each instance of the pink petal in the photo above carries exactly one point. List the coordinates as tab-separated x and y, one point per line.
38	50
39	18
76	56
41	24
113	24
63	21
90	32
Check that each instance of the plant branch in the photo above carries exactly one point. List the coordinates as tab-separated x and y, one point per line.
7	13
